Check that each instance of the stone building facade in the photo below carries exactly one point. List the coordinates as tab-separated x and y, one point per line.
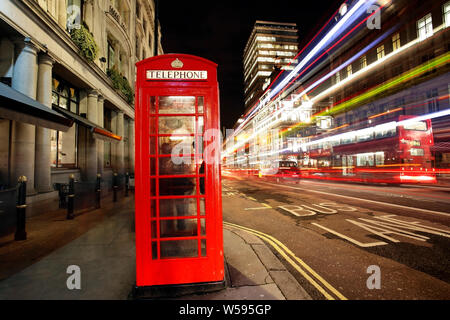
41	59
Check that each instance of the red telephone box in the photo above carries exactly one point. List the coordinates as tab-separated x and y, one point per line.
177	188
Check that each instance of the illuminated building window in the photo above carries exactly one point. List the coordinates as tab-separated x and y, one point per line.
264	73
288	68
261	38
363	62
380	52
396	41
349	70
425	27
447	14
338	77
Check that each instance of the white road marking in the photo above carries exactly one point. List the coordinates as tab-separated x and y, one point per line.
414	225
395	227
266	206
296	209
382	232
321	210
364	245
361	199
389	226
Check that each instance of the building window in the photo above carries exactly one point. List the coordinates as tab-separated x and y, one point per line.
447	14
432	100
111	56
396	41
380	52
65	95
349	70
425	27
74	13
362	62
63	144
338	77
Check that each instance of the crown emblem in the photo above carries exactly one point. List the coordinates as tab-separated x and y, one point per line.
177	63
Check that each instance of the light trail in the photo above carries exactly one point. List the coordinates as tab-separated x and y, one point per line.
437	62
351	16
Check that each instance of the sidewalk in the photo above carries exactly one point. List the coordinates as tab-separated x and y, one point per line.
106	257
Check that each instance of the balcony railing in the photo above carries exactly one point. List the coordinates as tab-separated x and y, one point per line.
116	15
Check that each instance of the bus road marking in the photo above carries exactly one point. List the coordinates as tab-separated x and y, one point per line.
266	206
361	199
312	209
304	213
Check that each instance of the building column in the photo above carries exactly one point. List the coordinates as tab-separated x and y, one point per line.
120	145
131	145
43	146
91	142
23	135
100	143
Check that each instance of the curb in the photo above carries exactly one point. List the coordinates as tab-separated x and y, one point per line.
283	279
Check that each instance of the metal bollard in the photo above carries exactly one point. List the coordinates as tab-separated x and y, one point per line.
115	186
127	183
71	197
98	191
21	208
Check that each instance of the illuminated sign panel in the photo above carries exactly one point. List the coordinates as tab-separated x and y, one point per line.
177	75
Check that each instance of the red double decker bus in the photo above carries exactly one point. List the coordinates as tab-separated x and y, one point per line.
397	151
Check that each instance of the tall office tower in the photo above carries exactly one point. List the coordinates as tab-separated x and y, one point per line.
270	47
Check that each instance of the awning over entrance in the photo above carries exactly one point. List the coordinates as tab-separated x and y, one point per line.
14	105
97	131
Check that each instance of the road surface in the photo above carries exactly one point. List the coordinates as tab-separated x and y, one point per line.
349	241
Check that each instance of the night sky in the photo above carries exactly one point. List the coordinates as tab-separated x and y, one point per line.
219	30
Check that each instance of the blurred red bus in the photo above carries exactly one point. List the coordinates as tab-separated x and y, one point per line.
392	152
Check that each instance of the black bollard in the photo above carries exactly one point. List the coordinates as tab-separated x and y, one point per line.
115	186
127	183
71	197
21	208
98	191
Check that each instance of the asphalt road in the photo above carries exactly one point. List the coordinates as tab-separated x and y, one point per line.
350	241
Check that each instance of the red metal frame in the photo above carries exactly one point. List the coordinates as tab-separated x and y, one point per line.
151	268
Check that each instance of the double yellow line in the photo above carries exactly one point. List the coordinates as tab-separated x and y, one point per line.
326	289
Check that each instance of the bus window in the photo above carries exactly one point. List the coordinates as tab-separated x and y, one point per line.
416	126
417	152
365	159
386	130
365	135
379	158
348	139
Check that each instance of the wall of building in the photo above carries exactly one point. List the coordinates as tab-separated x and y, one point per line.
35	33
